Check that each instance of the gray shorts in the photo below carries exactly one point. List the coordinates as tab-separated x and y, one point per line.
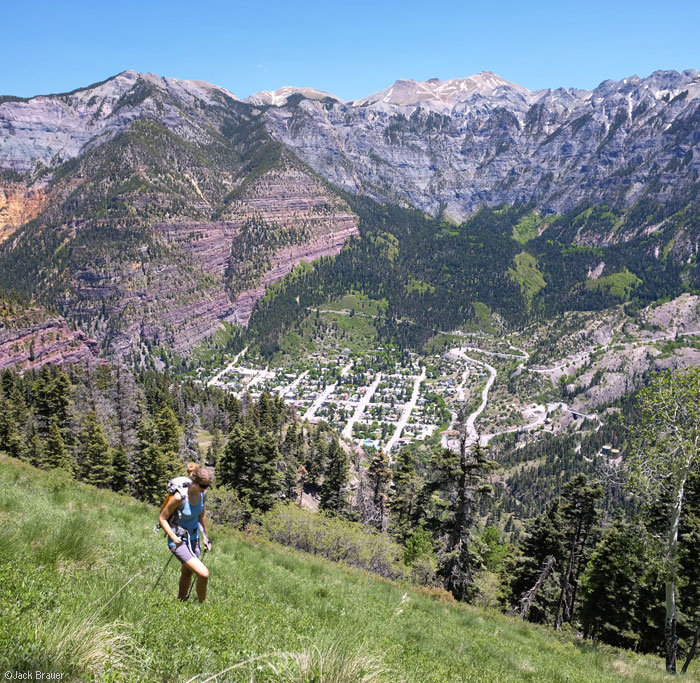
187	550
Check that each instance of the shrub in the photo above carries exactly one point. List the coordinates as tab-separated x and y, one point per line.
224	506
335	539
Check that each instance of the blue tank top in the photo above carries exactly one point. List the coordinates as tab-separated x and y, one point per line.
189	518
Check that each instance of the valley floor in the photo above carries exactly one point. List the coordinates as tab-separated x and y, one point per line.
550	378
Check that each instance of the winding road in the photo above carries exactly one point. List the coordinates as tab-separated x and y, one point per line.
472	434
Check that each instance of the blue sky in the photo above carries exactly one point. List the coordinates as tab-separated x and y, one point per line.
348	48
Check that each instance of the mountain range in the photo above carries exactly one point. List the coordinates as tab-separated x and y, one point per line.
150	208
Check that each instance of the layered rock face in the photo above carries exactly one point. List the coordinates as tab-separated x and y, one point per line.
460	144
31	338
179	290
165	211
306	222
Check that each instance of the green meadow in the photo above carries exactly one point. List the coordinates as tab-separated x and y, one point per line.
77	571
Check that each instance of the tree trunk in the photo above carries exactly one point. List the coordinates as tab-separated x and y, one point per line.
577	573
564	606
693	649
526	601
671	622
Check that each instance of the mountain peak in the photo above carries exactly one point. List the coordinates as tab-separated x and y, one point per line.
279	97
440	94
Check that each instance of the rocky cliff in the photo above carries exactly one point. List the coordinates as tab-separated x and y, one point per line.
456	145
19	205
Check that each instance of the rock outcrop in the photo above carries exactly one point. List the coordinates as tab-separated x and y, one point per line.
281	96
44	131
19	205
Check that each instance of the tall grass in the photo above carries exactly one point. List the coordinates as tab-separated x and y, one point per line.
76	594
335	661
78	646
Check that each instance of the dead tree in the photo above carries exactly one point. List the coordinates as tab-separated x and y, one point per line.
523	608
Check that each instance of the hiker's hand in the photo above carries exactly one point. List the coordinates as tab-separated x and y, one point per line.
178	542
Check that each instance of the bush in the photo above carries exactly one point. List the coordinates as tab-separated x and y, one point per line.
335	539
225	507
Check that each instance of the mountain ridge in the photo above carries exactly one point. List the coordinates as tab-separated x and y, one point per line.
447	146
152	208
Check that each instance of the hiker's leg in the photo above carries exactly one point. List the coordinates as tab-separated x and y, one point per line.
184	586
202	573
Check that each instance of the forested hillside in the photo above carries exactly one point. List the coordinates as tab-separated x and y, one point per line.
523	266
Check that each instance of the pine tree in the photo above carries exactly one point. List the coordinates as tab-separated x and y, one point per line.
544	545
95	454
234	411
379	474
579	513
315	460
249	466
35	452
120	469
53	396
153	467
265	474
229	468
168	433
56	455
61	391
335	479
263	412
460	477
216	447
405	499
17	406
11	439
623	572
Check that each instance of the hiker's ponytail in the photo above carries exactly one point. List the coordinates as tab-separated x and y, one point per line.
199	474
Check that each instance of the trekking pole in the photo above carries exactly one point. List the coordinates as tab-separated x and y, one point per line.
163	572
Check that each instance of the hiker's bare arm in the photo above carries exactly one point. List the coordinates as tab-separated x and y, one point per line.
165	514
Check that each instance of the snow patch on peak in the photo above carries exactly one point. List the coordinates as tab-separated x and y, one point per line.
441	95
280	97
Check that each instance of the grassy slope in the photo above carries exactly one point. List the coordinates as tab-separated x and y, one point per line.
69	547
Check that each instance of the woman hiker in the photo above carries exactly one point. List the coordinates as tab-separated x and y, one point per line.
184	538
